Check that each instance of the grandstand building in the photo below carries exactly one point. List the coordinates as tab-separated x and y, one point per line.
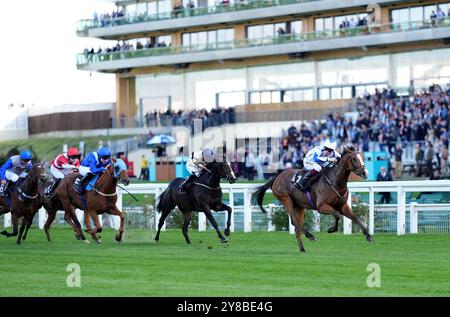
266	57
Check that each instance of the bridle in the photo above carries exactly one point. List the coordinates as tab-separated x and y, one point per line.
97	189
33	178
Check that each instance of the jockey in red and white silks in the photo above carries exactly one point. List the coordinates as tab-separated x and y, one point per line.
64	163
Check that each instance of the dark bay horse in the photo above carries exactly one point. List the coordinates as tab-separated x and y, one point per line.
329	193
202	195
95	202
25	201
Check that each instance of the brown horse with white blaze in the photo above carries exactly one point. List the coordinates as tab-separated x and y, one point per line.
328	194
102	198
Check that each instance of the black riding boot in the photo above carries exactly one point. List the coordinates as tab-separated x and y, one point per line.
84	181
182	187
51	189
4	189
302	184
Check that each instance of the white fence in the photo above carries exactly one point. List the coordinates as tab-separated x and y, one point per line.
401	188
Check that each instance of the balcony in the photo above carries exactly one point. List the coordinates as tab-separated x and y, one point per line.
290	43
233	13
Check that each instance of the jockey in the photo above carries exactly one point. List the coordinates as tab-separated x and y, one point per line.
315	159
61	166
16	167
96	161
195	165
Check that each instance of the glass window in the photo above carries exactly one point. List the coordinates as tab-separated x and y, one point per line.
428	10
416	14
202	38
231	99
152	7
212	37
336	93
276	96
167	39
266	97
347	92
328	24
255	97
324	93
186	39
318	24
268	30
296	27
164	6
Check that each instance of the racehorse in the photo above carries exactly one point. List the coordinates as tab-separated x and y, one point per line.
202	195
52	204
25	201
102	198
328	195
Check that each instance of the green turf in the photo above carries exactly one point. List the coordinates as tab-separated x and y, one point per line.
253	264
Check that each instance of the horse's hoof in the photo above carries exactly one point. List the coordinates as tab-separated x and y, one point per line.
4	232
331	230
312	238
227	232
302	250
99	241
224	240
118	238
369	238
86	241
19	242
77	237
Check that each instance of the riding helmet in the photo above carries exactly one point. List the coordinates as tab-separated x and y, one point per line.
26	155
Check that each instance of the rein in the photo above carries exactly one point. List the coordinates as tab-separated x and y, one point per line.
211	188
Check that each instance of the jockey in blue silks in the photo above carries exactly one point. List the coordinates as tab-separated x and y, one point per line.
96	162
315	159
16	167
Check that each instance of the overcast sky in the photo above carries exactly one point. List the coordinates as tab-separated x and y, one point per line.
38	54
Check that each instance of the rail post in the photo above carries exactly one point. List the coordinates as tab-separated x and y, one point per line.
413	217
401	210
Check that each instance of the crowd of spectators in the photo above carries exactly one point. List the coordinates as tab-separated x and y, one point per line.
215	117
389	121
125	46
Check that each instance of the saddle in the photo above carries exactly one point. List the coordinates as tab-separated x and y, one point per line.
89	186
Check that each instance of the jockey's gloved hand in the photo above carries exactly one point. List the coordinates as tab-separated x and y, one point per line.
332	159
3	181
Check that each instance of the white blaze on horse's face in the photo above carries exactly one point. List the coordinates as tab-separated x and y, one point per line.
361	160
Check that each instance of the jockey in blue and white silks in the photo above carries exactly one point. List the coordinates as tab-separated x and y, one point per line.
315	159
16	167
95	163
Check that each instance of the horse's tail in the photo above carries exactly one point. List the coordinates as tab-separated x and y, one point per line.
258	196
165	201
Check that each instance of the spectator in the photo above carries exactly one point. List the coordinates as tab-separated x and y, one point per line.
419	159
384	176
435	175
429	154
122	120
144	169
123	157
444	161
398	161
249	165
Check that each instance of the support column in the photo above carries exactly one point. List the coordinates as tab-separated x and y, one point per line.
125	101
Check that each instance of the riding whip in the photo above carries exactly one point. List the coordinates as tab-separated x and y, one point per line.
127	192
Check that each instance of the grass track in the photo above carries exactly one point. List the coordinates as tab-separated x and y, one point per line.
254	264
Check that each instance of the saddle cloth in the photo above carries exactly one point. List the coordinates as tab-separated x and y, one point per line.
89	185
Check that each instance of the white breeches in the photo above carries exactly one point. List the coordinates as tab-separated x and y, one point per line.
311	165
84	170
10	175
58	174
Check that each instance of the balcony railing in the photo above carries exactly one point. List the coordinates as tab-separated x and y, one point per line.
85	58
84	25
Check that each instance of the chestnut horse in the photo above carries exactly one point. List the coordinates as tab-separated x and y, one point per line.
102	198
25	201
328	194
52	204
